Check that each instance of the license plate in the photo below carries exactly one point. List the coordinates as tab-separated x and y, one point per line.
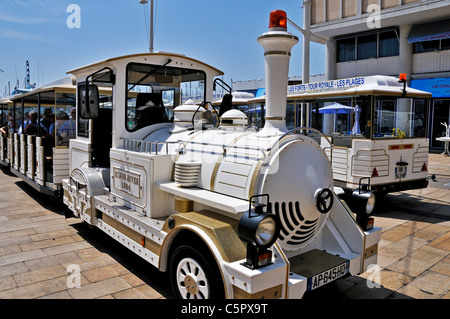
400	172
328	276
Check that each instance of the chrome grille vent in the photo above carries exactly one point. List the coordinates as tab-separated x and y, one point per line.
295	229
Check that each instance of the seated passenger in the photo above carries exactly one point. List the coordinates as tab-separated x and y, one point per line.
31	126
69	127
61	118
46	121
8	128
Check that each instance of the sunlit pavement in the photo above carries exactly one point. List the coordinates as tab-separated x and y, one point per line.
40	248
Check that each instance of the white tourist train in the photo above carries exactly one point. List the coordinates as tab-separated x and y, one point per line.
227	210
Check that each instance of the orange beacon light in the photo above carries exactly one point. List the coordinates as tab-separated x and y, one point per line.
278	19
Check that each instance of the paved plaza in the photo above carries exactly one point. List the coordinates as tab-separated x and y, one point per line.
40	247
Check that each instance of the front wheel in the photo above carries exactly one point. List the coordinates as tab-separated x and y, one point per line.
194	276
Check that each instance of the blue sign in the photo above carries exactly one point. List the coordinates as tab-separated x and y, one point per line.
439	87
432	37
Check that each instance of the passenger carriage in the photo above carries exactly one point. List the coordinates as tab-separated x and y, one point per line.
374	132
41	156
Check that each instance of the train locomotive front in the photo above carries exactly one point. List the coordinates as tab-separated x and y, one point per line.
288	176
291	169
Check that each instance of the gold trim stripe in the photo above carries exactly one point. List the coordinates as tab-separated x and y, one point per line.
214	172
132	234
371	251
277	52
254	177
275	118
269	293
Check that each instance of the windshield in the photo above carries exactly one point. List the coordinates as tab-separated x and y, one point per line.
154	90
342	117
399	118
370	117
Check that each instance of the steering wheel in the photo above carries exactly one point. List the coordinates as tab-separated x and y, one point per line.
324	200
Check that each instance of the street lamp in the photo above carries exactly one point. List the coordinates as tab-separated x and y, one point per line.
144	2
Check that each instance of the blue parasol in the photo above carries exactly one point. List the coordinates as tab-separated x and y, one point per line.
336	108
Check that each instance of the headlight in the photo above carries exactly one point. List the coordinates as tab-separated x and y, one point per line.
260	230
363	204
370	205
266	231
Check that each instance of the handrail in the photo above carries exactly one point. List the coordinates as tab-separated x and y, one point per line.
222	84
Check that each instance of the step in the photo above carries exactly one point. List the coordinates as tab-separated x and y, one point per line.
227	203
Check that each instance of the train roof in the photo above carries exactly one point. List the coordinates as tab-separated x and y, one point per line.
138	57
65	85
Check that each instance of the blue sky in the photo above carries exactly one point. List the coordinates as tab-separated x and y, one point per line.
220	33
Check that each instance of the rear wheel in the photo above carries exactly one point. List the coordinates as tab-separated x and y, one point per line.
194	275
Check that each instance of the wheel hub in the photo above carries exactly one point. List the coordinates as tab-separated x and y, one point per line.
191	284
191	279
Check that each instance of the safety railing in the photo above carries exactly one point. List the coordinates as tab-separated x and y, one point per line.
154	147
157	148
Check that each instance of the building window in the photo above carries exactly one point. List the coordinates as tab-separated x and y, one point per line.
374	45
388	44
431	46
445	44
346	49
367	46
426	46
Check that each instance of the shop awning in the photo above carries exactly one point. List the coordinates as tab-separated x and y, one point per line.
439	87
260	92
430	31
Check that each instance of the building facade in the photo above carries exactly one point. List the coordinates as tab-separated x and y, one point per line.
389	37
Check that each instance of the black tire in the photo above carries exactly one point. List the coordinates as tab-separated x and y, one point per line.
189	265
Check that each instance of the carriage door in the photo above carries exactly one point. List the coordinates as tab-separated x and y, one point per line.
102	133
102	126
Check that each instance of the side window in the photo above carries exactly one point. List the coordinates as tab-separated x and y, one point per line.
385	116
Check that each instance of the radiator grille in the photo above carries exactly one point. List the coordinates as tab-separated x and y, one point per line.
295	229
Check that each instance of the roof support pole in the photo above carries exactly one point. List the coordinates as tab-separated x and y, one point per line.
406	52
306	40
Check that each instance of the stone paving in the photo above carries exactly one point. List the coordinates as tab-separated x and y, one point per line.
38	245
414	250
